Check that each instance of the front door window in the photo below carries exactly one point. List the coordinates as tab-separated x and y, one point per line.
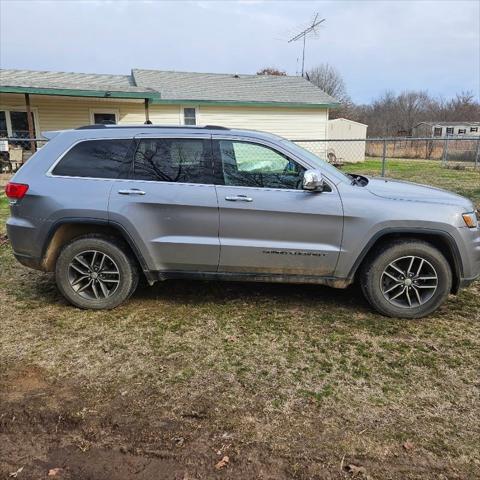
247	164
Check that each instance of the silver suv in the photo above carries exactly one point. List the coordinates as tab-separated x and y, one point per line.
105	205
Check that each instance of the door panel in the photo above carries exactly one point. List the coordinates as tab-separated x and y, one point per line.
279	231
175	224
267	223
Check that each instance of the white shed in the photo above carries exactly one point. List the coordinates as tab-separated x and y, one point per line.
346	151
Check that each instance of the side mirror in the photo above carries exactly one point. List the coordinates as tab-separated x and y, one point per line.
313	181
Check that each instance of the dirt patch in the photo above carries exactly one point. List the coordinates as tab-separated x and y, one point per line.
61	428
28	382
58	428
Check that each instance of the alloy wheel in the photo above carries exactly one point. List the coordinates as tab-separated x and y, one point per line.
409	282
93	275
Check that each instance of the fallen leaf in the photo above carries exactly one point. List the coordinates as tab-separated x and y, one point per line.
231	338
356	470
408	445
53	472
15	474
179	441
222	463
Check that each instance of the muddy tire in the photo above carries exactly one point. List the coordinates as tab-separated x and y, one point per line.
406	279
96	272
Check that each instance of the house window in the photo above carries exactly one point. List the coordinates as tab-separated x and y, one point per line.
437	131
104	117
14	124
462	130
190	116
449	130
3	125
473	129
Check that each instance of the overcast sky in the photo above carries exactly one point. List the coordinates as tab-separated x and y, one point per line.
376	45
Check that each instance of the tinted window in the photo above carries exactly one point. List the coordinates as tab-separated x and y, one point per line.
251	165
96	159
174	160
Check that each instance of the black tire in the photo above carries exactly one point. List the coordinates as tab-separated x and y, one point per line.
373	279
116	258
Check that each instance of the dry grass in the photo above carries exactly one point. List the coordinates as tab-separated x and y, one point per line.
286	380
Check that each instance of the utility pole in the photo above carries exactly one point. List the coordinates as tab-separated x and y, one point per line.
303	34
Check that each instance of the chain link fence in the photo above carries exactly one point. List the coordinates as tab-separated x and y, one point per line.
370	154
460	153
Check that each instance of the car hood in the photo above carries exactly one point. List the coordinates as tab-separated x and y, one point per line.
414	192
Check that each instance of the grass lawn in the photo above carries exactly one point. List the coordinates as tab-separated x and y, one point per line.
279	381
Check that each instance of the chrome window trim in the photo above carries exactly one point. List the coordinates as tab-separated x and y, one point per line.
189	135
298	190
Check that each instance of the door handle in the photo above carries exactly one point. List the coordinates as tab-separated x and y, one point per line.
239	198
131	191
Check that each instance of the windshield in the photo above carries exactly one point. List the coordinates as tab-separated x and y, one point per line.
302	152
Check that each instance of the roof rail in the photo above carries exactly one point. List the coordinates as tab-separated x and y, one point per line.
216	127
90	127
100	126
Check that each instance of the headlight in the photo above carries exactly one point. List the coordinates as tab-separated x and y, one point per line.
471	219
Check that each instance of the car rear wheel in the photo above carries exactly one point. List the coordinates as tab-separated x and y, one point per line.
407	279
96	272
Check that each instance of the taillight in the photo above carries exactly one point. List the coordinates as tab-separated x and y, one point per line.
15	191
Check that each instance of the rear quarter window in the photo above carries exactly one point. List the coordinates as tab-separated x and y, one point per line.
96	159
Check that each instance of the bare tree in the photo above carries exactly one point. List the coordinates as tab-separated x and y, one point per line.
391	115
271	71
463	108
328	78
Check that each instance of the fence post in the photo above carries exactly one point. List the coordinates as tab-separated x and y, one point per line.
445	152
384	156
477	156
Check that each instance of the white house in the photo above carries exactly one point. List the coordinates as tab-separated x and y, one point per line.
285	105
443	129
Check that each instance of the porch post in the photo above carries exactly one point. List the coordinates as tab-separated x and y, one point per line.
147	112
30	123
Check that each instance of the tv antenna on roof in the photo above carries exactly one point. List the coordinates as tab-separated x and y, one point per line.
303	34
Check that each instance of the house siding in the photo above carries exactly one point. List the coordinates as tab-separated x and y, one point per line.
291	123
58	113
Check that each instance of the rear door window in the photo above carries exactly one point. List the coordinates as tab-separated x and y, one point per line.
183	160
97	159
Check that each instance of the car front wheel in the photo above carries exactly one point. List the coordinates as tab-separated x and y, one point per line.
407	279
96	272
